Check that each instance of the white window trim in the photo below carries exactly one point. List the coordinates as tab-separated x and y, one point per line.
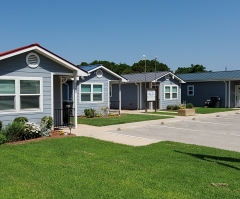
188	86
17	94
87	102
170	92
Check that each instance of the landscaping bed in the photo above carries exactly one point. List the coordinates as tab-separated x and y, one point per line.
54	134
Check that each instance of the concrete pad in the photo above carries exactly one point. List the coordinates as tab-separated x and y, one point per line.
220	130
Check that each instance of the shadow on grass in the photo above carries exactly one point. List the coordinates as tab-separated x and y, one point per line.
215	159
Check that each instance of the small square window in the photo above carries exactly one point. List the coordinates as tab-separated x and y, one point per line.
190	90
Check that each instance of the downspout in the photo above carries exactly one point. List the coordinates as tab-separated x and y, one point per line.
137	95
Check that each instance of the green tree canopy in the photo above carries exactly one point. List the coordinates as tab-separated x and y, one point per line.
192	69
123	68
150	66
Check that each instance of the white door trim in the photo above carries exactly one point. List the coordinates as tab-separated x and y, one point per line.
237	95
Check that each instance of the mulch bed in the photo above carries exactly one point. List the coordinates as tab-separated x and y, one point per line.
54	134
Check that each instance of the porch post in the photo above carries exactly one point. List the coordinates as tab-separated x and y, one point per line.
120	97
75	100
229	94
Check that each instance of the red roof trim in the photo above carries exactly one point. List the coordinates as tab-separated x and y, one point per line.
36	44
18	49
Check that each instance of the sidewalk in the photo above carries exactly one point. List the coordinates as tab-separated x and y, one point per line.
104	133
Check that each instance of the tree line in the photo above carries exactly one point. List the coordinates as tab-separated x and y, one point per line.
139	67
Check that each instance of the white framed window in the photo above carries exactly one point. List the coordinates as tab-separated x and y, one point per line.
190	90
170	92
20	94
91	92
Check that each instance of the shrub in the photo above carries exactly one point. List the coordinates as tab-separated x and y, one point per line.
48	120
89	112
189	105
31	131
3	138
21	119
169	107
175	107
0	125
14	131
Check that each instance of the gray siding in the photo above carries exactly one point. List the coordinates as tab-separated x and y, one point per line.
165	102
17	66
128	94
94	79
204	91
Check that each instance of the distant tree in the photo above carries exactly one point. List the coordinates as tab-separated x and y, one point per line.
192	69
116	68
123	68
83	64
150	66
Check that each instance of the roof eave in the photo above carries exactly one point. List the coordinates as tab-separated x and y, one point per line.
50	55
109	71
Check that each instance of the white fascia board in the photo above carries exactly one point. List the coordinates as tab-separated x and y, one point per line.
61	61
169	73
50	56
109	71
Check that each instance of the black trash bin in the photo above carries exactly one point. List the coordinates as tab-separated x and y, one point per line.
215	102
67	111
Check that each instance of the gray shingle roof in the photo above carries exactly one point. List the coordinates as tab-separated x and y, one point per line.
211	76
150	76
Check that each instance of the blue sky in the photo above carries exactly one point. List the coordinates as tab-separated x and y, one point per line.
179	32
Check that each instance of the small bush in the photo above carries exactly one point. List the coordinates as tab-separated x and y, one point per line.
3	138
169	107
175	107
21	119
189	105
0	125
48	120
89	112
31	131
14	131
46	126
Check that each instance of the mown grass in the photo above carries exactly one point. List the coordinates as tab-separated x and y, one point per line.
201	110
79	167
122	119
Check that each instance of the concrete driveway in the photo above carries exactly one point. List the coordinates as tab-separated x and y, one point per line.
219	130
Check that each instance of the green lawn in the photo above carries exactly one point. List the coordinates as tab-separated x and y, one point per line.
79	167
202	110
125	118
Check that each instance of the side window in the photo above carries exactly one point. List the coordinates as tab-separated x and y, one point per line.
20	94
7	95
170	92
190	90
91	92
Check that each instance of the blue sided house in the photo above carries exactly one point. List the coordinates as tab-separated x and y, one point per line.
223	86
134	91
94	91
31	81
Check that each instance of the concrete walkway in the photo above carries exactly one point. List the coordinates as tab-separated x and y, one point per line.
134	134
